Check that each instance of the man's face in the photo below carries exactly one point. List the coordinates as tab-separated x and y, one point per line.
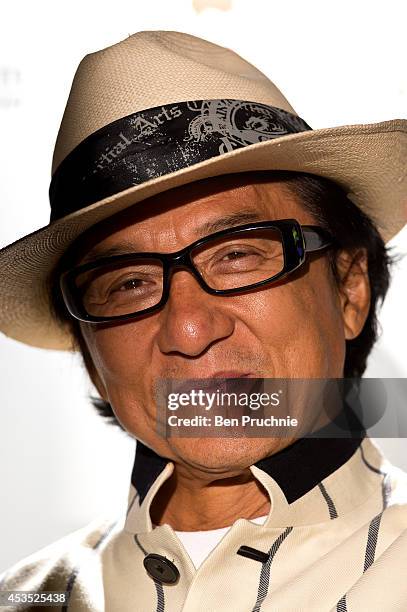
293	329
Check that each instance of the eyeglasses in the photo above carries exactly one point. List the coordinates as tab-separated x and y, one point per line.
227	262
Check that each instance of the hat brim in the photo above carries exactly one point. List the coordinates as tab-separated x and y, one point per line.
368	161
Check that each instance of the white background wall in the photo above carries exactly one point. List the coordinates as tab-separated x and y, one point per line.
338	62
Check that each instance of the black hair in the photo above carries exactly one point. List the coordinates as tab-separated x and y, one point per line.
352	228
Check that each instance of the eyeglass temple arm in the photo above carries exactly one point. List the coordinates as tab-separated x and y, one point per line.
316	238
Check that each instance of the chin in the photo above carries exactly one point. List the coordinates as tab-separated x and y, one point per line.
223	456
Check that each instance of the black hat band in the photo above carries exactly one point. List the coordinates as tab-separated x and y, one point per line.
158	141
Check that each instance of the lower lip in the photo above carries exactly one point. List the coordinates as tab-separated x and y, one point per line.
208	383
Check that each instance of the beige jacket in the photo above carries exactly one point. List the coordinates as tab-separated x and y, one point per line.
341	545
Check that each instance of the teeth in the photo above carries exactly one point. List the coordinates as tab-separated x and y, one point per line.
212	384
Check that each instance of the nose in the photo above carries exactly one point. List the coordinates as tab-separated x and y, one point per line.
192	319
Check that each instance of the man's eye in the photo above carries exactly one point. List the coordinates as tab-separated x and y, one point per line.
137	285
132	283
240	253
236	255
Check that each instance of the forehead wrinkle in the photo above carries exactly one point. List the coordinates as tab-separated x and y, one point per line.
259	203
129	244
250	202
281	203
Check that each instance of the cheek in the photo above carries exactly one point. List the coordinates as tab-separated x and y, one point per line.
118	358
301	327
116	353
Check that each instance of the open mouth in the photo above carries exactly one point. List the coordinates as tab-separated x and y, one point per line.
222	382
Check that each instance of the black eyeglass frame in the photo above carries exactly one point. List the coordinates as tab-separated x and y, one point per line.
297	240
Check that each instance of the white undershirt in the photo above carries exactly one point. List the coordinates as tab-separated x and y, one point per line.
199	544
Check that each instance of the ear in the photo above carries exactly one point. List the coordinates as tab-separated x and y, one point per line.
354	290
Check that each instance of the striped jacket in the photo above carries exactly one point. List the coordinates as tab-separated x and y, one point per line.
335	540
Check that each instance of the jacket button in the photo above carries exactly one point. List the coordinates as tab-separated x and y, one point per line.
160	568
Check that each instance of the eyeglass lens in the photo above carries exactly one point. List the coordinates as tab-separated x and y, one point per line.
229	262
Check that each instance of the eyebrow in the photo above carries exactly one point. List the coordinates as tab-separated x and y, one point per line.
125	247
229	221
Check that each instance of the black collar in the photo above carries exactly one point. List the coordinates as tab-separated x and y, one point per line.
297	469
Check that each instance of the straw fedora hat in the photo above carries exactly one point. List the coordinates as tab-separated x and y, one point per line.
162	109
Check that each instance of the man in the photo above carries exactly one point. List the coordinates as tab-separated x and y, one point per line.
201	230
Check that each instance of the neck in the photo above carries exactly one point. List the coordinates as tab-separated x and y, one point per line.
192	505
188	503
